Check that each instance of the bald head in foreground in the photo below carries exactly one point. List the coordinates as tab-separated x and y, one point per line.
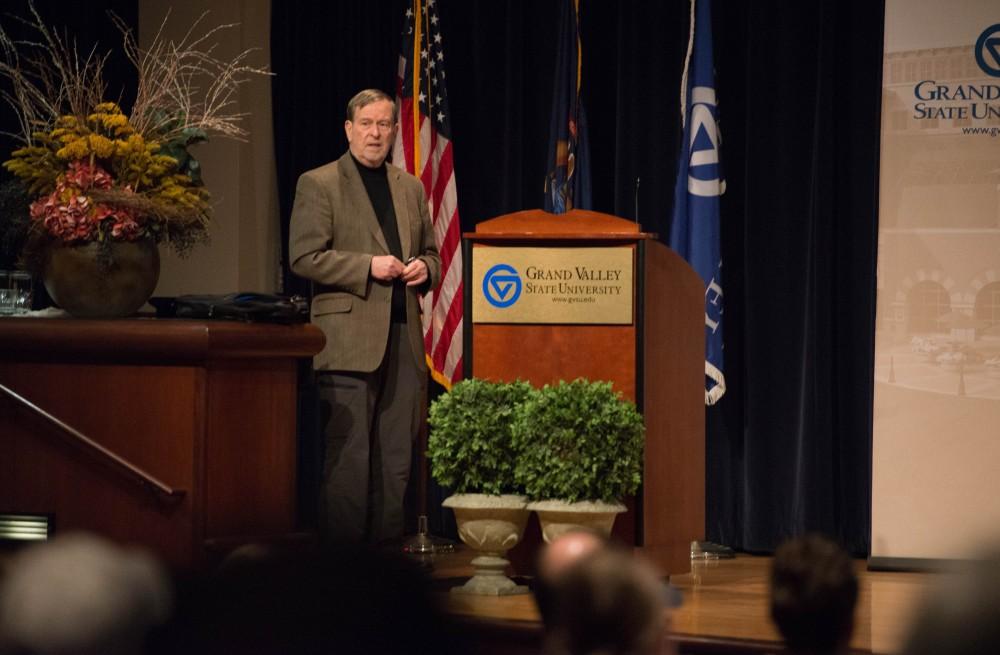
594	597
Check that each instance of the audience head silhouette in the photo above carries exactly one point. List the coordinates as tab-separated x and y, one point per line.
80	595
565	550
961	614
813	592
600	599
268	602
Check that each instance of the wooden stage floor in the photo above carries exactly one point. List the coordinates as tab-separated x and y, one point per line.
724	608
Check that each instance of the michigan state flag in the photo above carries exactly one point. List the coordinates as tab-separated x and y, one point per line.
567	181
694	230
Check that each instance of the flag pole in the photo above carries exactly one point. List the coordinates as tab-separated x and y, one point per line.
579	46
687	68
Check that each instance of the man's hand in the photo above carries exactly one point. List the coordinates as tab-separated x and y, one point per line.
386	268
415	273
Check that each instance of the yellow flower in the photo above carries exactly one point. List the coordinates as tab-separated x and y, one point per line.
67	122
66	136
101	146
37	166
108	108
108	118
177	190
76	149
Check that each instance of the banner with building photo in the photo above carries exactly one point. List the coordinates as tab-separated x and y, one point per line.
936	438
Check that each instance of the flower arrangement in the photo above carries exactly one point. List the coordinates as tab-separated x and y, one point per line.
97	174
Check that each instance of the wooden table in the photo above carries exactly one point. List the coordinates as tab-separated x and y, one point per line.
175	434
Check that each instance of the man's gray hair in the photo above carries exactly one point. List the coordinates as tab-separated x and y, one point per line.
367	97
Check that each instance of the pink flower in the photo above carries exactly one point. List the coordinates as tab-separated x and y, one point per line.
84	176
69	215
126	228
69	221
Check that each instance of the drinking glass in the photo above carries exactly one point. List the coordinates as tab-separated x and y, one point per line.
20	292
6	296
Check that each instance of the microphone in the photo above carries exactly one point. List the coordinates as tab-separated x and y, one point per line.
636	198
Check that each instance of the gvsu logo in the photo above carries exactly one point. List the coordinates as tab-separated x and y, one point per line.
502	286
704	171
988	50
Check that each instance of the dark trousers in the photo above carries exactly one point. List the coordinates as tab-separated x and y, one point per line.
370	424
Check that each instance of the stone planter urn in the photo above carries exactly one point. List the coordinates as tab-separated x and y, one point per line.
490	525
557	516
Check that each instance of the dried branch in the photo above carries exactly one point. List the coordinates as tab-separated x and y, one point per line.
183	86
51	80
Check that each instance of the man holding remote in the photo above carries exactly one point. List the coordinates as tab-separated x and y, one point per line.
361	231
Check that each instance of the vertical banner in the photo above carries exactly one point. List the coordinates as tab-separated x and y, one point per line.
936	432
694	229
567	182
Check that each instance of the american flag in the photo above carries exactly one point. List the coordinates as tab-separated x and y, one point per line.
423	148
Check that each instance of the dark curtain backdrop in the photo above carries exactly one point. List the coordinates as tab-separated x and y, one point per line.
799	86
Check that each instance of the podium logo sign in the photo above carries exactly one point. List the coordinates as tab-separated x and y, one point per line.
501	286
552	285
988	50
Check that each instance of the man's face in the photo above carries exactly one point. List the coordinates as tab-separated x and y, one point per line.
371	132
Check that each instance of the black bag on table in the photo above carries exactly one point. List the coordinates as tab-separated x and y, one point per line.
245	306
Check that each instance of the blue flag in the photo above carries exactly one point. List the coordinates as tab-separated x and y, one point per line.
694	230
567	182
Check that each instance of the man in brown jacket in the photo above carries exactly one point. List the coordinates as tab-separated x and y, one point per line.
361	231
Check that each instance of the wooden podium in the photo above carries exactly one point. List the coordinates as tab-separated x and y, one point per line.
654	355
177	435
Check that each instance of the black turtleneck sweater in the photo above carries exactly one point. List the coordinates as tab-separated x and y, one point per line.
377	185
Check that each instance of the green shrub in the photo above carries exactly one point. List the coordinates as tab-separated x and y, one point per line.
579	441
470	446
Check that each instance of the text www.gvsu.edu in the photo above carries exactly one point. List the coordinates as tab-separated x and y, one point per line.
988	131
